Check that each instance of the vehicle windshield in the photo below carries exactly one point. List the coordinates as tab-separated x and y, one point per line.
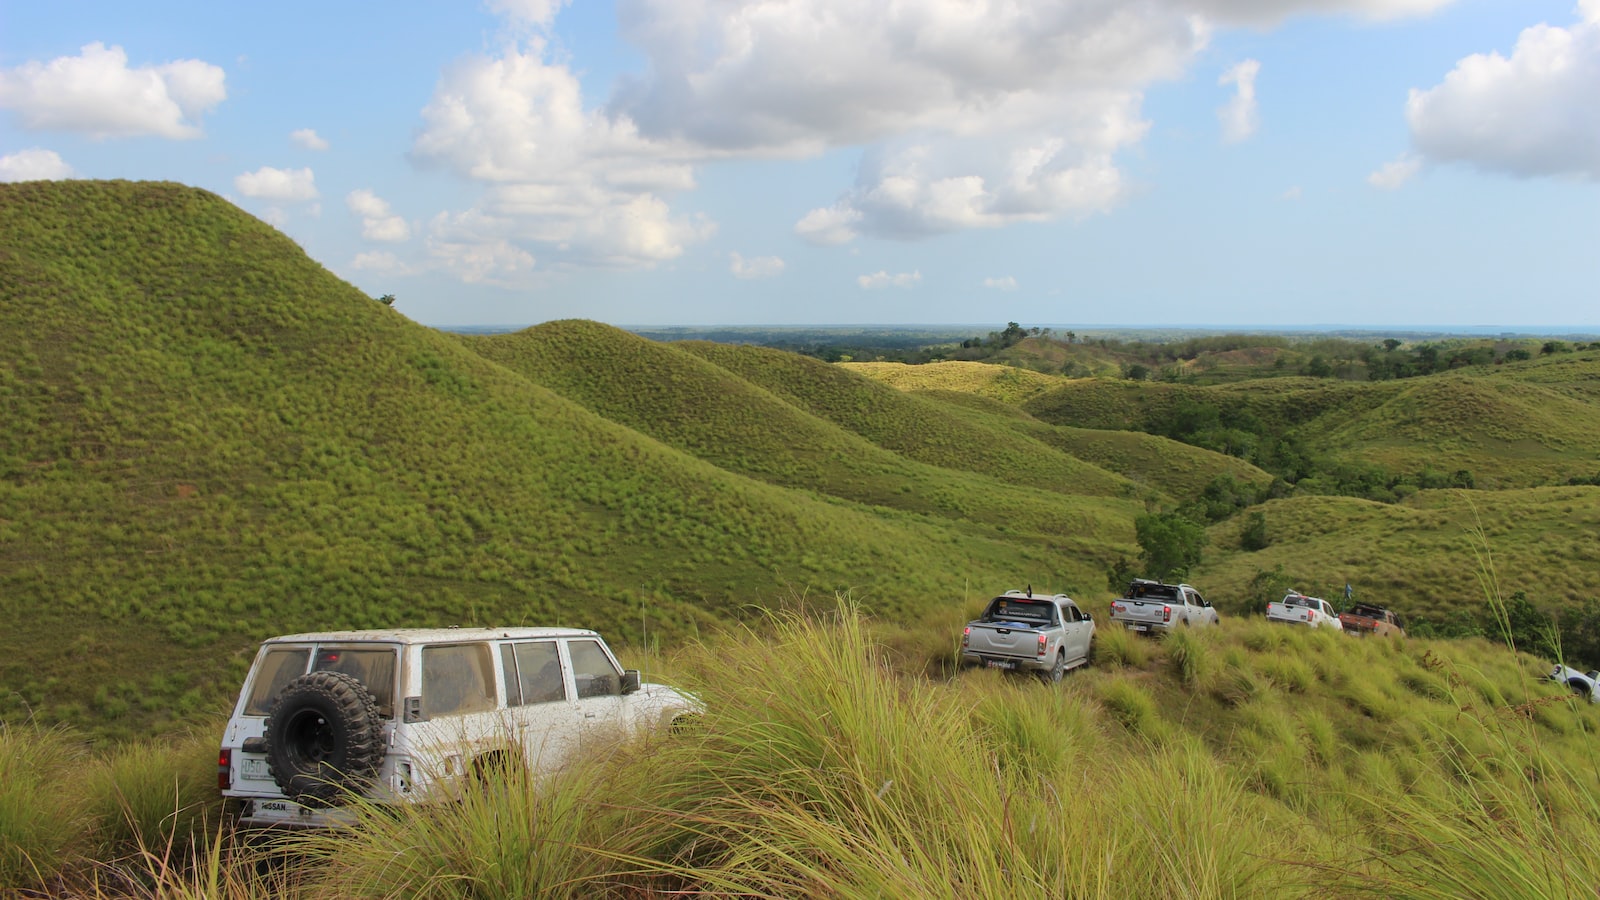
1027	612
1300	600
1368	611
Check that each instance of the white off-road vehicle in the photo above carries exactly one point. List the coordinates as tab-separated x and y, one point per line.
408	714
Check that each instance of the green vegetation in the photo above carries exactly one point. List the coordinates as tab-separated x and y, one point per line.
1310	764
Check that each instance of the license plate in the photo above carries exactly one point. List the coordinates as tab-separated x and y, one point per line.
999	664
1140	627
255	770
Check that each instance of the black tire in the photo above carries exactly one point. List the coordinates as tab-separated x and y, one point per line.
1055	672
1579	688
324	737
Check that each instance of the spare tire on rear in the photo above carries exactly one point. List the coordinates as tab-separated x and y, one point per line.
324	737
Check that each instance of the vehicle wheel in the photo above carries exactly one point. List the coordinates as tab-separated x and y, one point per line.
1053	676
1579	688
324	737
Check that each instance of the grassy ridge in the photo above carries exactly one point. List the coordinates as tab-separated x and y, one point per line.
702	409
208	439
909	425
1247	761
1422	556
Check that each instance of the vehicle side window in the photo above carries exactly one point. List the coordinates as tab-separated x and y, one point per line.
456	679
1073	615
373	668
593	670
538	674
278	668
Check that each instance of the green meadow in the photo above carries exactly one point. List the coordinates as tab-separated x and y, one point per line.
206	438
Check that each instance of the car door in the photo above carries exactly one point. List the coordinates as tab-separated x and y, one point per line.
1077	633
540	704
597	689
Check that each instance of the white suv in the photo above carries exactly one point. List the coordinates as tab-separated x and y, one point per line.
395	715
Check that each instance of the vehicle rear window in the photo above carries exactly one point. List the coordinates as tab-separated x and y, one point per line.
373	666
278	667
1152	592
1030	612
457	679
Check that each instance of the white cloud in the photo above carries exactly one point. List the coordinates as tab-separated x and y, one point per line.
882	279
282	185
378	223
1531	114
381	262
1004	283
1267	12
828	226
275	216
540	13
583	187
1293	193
1240	117
759	267
97	94
33	165
308	138
1391	175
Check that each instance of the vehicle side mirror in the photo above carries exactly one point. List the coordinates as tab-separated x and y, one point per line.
630	681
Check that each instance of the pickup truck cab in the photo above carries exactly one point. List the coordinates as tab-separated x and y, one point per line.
1363	620
1151	606
1046	635
1297	609
410	714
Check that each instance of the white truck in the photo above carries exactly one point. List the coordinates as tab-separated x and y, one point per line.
1018	631
410	714
1151	606
1297	609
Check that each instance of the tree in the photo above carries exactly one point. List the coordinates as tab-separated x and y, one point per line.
1169	544
1254	535
387	300
1390	345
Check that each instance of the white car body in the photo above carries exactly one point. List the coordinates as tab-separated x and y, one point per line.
1584	684
1150	606
427	708
1297	609
1020	631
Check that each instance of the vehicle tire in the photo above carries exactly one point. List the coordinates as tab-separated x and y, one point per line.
1579	688
324	737
1054	673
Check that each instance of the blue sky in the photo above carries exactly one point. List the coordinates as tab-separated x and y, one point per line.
1429	163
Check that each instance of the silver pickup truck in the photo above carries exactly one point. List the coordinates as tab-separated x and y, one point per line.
1046	635
1152	606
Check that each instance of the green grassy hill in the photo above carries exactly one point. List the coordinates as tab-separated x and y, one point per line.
209	439
681	399
910	425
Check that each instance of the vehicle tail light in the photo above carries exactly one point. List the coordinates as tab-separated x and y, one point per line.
224	769
966	635
1166	614
1041	645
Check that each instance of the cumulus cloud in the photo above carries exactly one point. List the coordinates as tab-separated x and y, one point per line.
759	267
282	185
1391	175
1268	12
1239	117
308	138
33	165
829	226
538	13
584	187
882	279
378	222
1004	283
382	262
97	94
1531	114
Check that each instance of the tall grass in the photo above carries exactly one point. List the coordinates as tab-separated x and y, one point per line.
39	812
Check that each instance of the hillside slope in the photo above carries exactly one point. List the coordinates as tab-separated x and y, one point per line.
689	403
208	439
